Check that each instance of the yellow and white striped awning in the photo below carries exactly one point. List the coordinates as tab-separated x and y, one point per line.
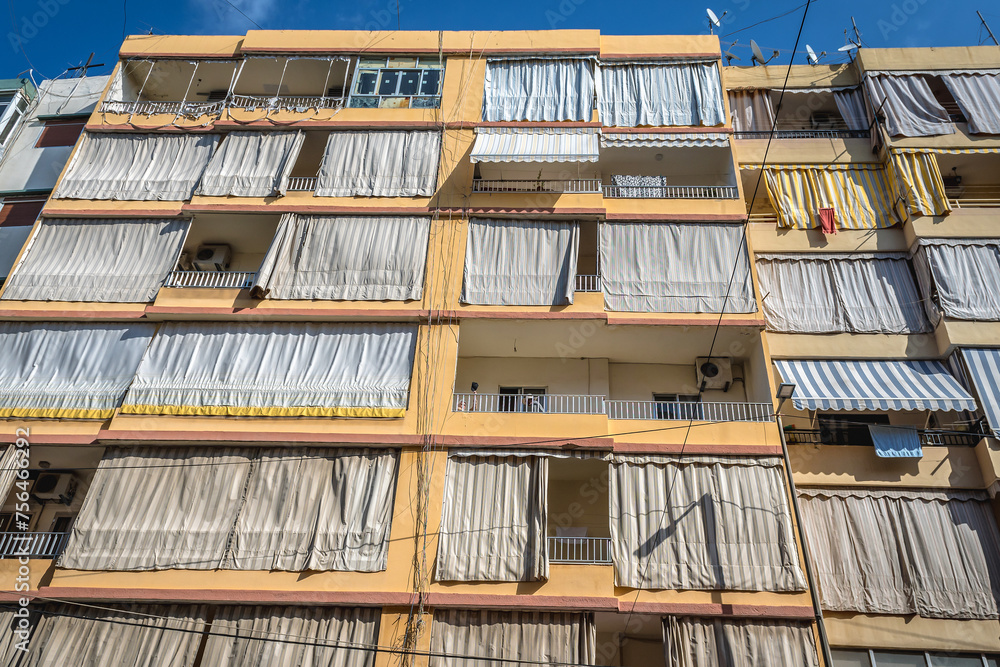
536	144
950	151
664	139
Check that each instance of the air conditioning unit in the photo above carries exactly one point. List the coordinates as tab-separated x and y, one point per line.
184	262
55	486
212	257
714	372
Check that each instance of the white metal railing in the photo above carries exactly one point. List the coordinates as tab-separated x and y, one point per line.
684	411
559	404
220	279
32	545
587	283
594	550
671	191
302	183
974	196
286	102
803	134
579	185
149	108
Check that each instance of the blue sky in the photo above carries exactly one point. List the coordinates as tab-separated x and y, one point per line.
50	35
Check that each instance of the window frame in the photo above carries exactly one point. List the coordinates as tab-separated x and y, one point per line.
513	404
423	65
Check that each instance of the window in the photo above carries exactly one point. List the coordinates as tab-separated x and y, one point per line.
848	429
60	133
861	658
397	83
678	406
522	399
12	106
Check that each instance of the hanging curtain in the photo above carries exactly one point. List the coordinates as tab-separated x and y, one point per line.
731	642
8	470
647	267
539	90
908	104
365	258
137	167
520	262
727	526
319	636
316	509
752	110
658	94
918	178
860	194
275	369
367	163
68	371
984	371
117	260
860	293
134	635
965	274
493	523
252	164
498	638
978	96
904	551
851	106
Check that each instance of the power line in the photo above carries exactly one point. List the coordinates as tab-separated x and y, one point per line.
228	2
754	25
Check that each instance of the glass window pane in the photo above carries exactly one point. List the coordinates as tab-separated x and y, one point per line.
850	658
409	82
939	660
366	83
993	662
432	82
388	83
900	660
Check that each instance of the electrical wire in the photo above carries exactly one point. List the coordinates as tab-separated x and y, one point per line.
229	2
754	25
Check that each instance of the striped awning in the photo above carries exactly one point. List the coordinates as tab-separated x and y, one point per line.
949	151
536	144
983	367
664	139
874	385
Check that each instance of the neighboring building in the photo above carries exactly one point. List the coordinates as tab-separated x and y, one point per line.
454	345
37	135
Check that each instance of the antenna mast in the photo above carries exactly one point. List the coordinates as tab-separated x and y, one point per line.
987	26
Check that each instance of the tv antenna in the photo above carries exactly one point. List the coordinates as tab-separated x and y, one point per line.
730	56
852	44
985	25
714	21
758	55
811	56
84	67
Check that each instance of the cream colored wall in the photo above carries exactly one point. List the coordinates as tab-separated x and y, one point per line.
558	376
638	382
581	501
838	465
911	633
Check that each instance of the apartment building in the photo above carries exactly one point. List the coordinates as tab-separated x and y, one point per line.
365	348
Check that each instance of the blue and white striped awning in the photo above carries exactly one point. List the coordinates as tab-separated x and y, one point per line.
536	144
874	385
983	366
610	139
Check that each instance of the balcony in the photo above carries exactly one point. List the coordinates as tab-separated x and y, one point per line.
211	279
558	186
32	545
974	196
302	183
580	550
585	283
671	191
804	134
557	404
860	437
691	411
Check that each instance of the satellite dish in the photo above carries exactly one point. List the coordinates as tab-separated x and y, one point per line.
758	55
730	57
713	20
848	47
811	55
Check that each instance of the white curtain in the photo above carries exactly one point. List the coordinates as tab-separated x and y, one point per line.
904	551
9	468
493	522
661	94
380	164
730	642
277	369
909	106
117	260
539	90
520	262
340	257
316	509
159	509
978	96
752	110
252	164
498	638
965	274
137	167
133	635
823	294
675	267
68	370
851	106
316	636
704	523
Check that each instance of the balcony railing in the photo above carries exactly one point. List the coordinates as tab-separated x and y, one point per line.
557	404
584	185
671	191
859	436
687	411
302	184
767	218
974	196
32	545
803	134
587	283
220	279
285	102
149	108
590	550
